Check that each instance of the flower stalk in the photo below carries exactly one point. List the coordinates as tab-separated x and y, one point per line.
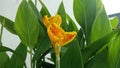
57	53
57	61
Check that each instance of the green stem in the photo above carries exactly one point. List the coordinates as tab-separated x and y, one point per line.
57	53
57	61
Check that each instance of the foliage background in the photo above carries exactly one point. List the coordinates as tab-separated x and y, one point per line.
8	8
92	36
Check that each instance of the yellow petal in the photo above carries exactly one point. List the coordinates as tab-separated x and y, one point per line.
69	36
46	21
59	36
53	19
55	33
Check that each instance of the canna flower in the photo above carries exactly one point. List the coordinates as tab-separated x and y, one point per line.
56	34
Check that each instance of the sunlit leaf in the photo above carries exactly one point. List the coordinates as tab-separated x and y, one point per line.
92	49
26	25
101	24
85	13
114	53
114	22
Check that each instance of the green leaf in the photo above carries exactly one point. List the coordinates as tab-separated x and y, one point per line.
114	22
99	61
72	26
3	59
18	58
35	10
62	13
85	12
44	11
118	64
8	24
101	24
39	16
72	57
43	45
3	49
92	49
80	38
26	25
63	51
114	52
79	12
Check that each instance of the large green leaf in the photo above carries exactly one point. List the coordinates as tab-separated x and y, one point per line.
99	61
39	17
26	25
85	12
114	53
101	24
62	13
42	46
18	58
72	26
44	11
72	57
35	10
92	49
3	59
8	24
43	43
114	22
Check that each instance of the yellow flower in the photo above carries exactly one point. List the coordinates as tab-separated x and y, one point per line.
56	34
53	19
59	36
